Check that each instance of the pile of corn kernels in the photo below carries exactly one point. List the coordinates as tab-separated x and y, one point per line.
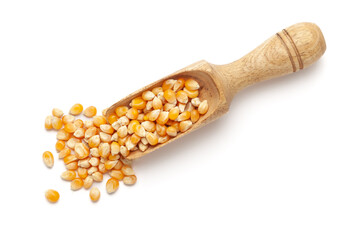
92	148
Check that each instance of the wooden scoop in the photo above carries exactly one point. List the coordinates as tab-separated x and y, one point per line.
288	51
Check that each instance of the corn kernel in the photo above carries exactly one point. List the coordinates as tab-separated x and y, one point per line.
76	109
161	129
70	127
82	172
164	139
181	107
184	116
127	170
148	95
90	111
48	159
124	121
72	141
140	131
171	131
203	107
48	122
81	150
124	151
132	125
88	124
92	170
94	152
174	113
91	131
117	174
68	175
80	133
178	85
153	115
195	102
72	166
156	103
191	84
60	145
138	103
170	96
129	144
63	135
122	131
189	107
94	141
102	168
163	118
135	139
94	194
65	152
112	185
104	137
140	117
176	126
110	164
195	116
121	111
104	150
122	141
168	106
151	138
70	158
56	123
185	125
76	184
142	146
161	97
84	163
52	195
119	165
182	96
99	120
114	148
156	90
112	118
114	157
168	84
191	93
79	123
94	161
130	180
97	176
88	181
148	126
132	113
68	119
56	112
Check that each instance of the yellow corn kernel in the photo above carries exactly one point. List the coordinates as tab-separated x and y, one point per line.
148	95
84	163
191	93
97	176
157	90
112	185
191	84
94	141
146	116
52	195
171	131
138	103
122	132
110	164
88	181
156	103
129	144
153	115
114	148
81	150
121	111
91	131
90	111
72	141
68	175
168	106
70	158
70	127
132	113
94	194
132	125
170	96
72	166
60	145
102	168
48	159
122	141
94	152
185	125
174	113
118	166
164	139
189	107
112	157
56	112
161	129
92	170
65	152
104	150
184	116
99	120
76	184
140	131
130	180
203	107
142	147
168	84
140	117
63	135
176	126
148	126
127	170
79	123
56	123
68	119
182	96
195	116
82	172
112	118
178	85
181	107
117	174
135	139
79	133
151	138
163	118
48	122
104	137
94	161
76	109
124	151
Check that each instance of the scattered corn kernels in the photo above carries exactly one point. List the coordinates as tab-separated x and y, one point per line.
48	159
52	195
112	185
76	109
90	111
94	194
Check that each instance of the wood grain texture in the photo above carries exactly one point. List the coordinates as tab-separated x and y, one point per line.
288	51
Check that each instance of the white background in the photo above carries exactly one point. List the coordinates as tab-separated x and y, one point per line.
284	163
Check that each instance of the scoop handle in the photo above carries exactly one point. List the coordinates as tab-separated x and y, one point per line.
288	51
